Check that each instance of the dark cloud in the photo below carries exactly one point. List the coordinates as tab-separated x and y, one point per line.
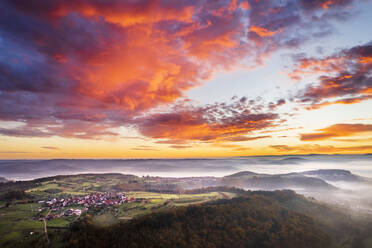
280	102
278	24
317	4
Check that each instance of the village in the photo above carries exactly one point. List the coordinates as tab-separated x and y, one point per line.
59	207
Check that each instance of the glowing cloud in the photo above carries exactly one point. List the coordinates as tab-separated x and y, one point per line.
83	68
337	130
345	75
220	121
262	31
315	148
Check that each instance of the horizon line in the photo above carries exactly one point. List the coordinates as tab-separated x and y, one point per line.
193	158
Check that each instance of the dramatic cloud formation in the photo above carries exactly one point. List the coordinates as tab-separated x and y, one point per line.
83	68
219	121
337	130
345	77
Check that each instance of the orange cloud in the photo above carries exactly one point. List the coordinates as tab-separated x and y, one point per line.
325	4
342	101
245	138
345	77
125	13
337	130
245	5
311	66
91	66
218	122
262	32
187	126
149	65
306	149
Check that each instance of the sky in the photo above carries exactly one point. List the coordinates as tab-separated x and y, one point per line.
180	79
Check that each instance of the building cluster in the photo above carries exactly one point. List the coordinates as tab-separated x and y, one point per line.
91	200
69	212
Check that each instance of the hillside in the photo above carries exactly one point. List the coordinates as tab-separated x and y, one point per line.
334	175
254	219
250	221
200	217
250	180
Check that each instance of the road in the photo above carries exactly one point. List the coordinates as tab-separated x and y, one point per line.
45	227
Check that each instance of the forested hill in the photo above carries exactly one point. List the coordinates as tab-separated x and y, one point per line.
251	221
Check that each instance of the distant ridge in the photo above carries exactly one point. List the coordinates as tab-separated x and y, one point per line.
32	169
333	175
242	173
247	179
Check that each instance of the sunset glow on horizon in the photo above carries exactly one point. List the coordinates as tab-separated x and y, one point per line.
184	79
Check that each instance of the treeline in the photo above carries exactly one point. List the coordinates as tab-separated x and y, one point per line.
14	195
237	191
253	221
140	186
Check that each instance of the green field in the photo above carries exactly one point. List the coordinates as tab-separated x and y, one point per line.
16	221
158	202
20	219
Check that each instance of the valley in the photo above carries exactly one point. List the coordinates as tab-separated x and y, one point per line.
106	200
